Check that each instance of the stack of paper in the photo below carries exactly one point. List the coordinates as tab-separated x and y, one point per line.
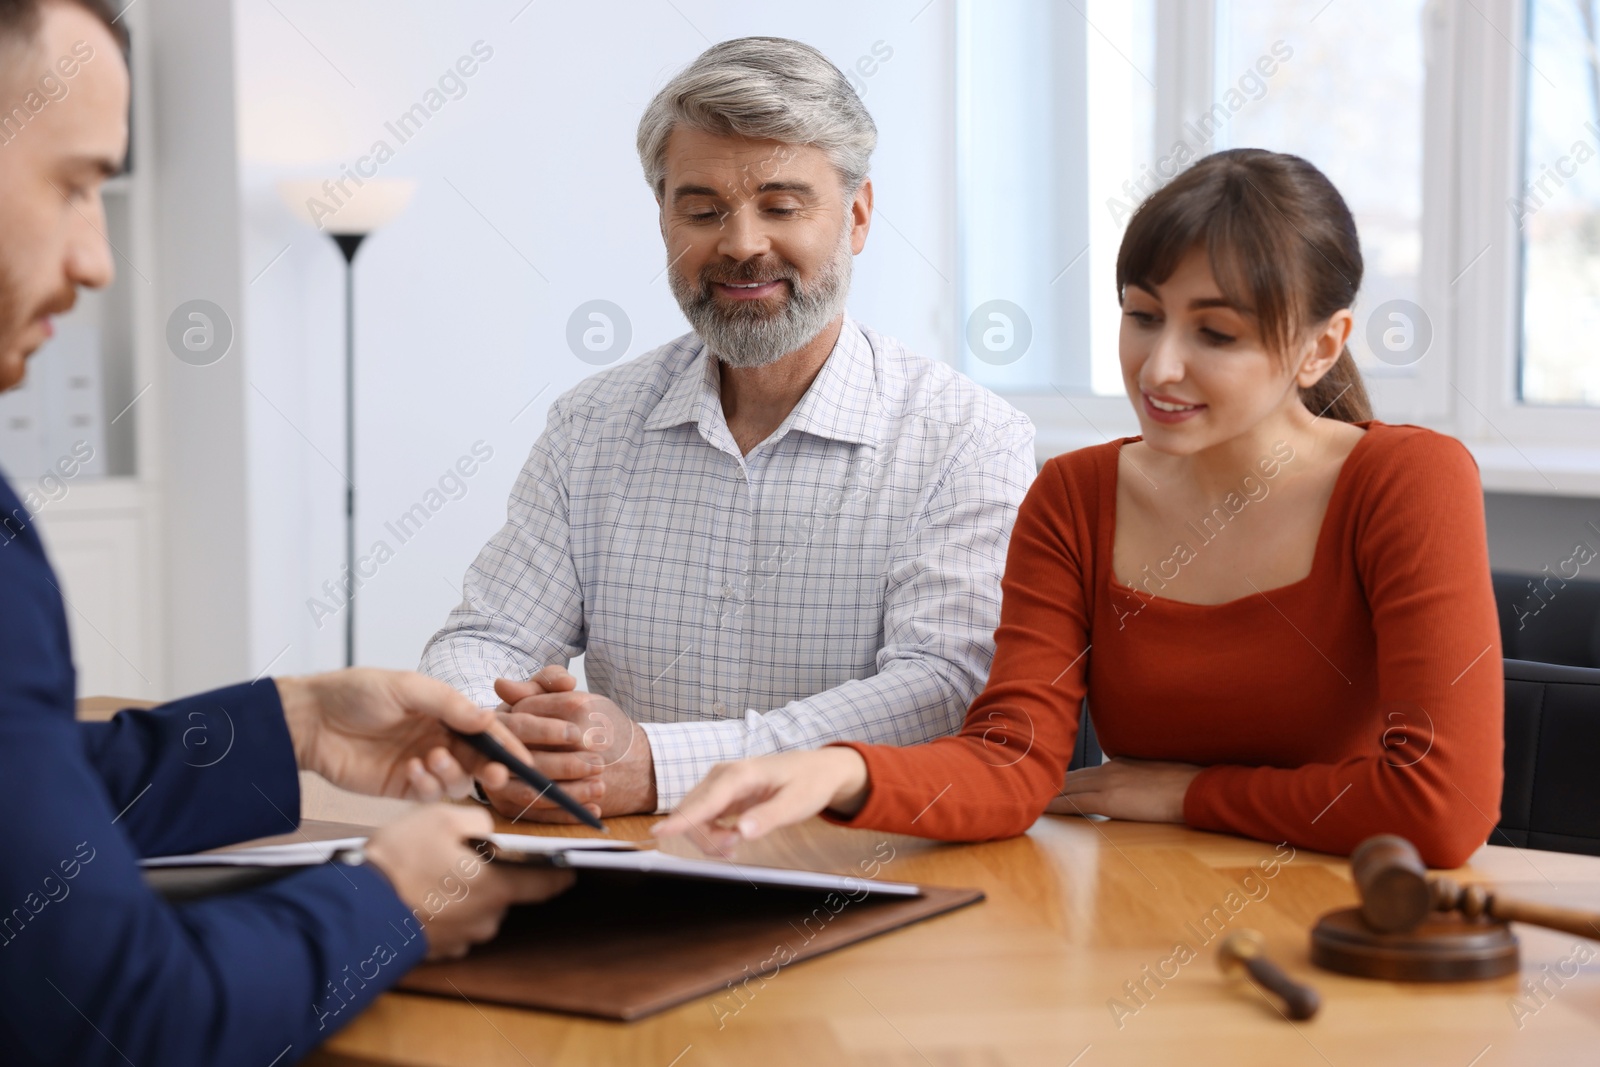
578	853
307	853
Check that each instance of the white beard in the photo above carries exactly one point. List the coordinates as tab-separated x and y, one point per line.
754	337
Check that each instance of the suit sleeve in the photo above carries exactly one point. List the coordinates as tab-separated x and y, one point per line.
1423	559
95	968
994	778
193	748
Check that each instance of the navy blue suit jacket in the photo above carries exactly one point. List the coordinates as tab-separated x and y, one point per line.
94	967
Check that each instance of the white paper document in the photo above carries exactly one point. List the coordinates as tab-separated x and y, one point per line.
578	853
307	853
649	861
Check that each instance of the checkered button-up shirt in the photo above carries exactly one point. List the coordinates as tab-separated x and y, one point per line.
841	581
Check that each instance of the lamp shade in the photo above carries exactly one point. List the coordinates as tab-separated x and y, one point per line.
353	209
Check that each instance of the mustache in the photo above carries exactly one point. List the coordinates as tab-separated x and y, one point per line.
751	270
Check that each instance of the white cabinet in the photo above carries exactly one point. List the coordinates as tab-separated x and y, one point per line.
99	544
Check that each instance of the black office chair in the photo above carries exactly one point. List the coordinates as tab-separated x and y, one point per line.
1549	619
1086	752
1552	791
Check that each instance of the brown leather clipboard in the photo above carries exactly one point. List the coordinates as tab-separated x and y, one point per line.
625	945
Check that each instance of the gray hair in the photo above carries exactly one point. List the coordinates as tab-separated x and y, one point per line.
763	88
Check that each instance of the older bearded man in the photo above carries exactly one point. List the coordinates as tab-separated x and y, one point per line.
780	530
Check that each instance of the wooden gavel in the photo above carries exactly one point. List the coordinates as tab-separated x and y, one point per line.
1245	950
1397	895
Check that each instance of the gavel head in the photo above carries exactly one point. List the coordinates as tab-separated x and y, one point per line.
1237	947
1393	883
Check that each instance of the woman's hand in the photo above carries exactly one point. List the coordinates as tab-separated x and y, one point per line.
1142	790
744	800
384	733
459	898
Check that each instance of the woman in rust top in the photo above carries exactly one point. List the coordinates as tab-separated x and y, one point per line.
1279	608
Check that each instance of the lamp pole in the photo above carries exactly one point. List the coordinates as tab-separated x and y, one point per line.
349	222
348	244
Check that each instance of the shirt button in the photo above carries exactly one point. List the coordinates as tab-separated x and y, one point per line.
727	591
719	708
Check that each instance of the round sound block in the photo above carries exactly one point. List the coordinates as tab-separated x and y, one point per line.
1445	948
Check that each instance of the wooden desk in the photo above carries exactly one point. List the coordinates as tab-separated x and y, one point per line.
1076	910
1079	913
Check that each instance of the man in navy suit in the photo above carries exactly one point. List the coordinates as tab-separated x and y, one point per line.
94	967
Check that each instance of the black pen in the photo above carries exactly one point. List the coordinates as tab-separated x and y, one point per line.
487	746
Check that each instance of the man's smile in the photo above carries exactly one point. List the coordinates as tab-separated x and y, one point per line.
747	290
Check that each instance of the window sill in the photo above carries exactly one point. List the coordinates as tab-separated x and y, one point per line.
1541	470
1538	470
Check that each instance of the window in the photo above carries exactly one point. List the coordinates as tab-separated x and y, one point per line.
1039	225
1122	163
1464	134
1346	94
1557	208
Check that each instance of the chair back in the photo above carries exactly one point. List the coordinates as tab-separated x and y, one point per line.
1086	750
1551	798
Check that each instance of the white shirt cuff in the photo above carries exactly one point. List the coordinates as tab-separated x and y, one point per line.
684	751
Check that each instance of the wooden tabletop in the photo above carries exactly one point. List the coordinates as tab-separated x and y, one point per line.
1062	965
1070	962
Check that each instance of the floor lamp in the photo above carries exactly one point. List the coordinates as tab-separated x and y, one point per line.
349	220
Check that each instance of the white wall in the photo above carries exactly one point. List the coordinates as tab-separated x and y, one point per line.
532	172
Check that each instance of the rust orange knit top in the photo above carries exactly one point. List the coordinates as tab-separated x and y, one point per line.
1365	698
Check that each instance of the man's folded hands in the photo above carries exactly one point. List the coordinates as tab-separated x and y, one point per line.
582	741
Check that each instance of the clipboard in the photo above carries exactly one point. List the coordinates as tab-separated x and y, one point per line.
639	933
627	944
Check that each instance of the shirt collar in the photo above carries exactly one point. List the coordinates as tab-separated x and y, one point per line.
841	405
692	396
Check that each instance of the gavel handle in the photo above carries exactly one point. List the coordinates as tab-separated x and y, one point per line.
1302	1001
1567	920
